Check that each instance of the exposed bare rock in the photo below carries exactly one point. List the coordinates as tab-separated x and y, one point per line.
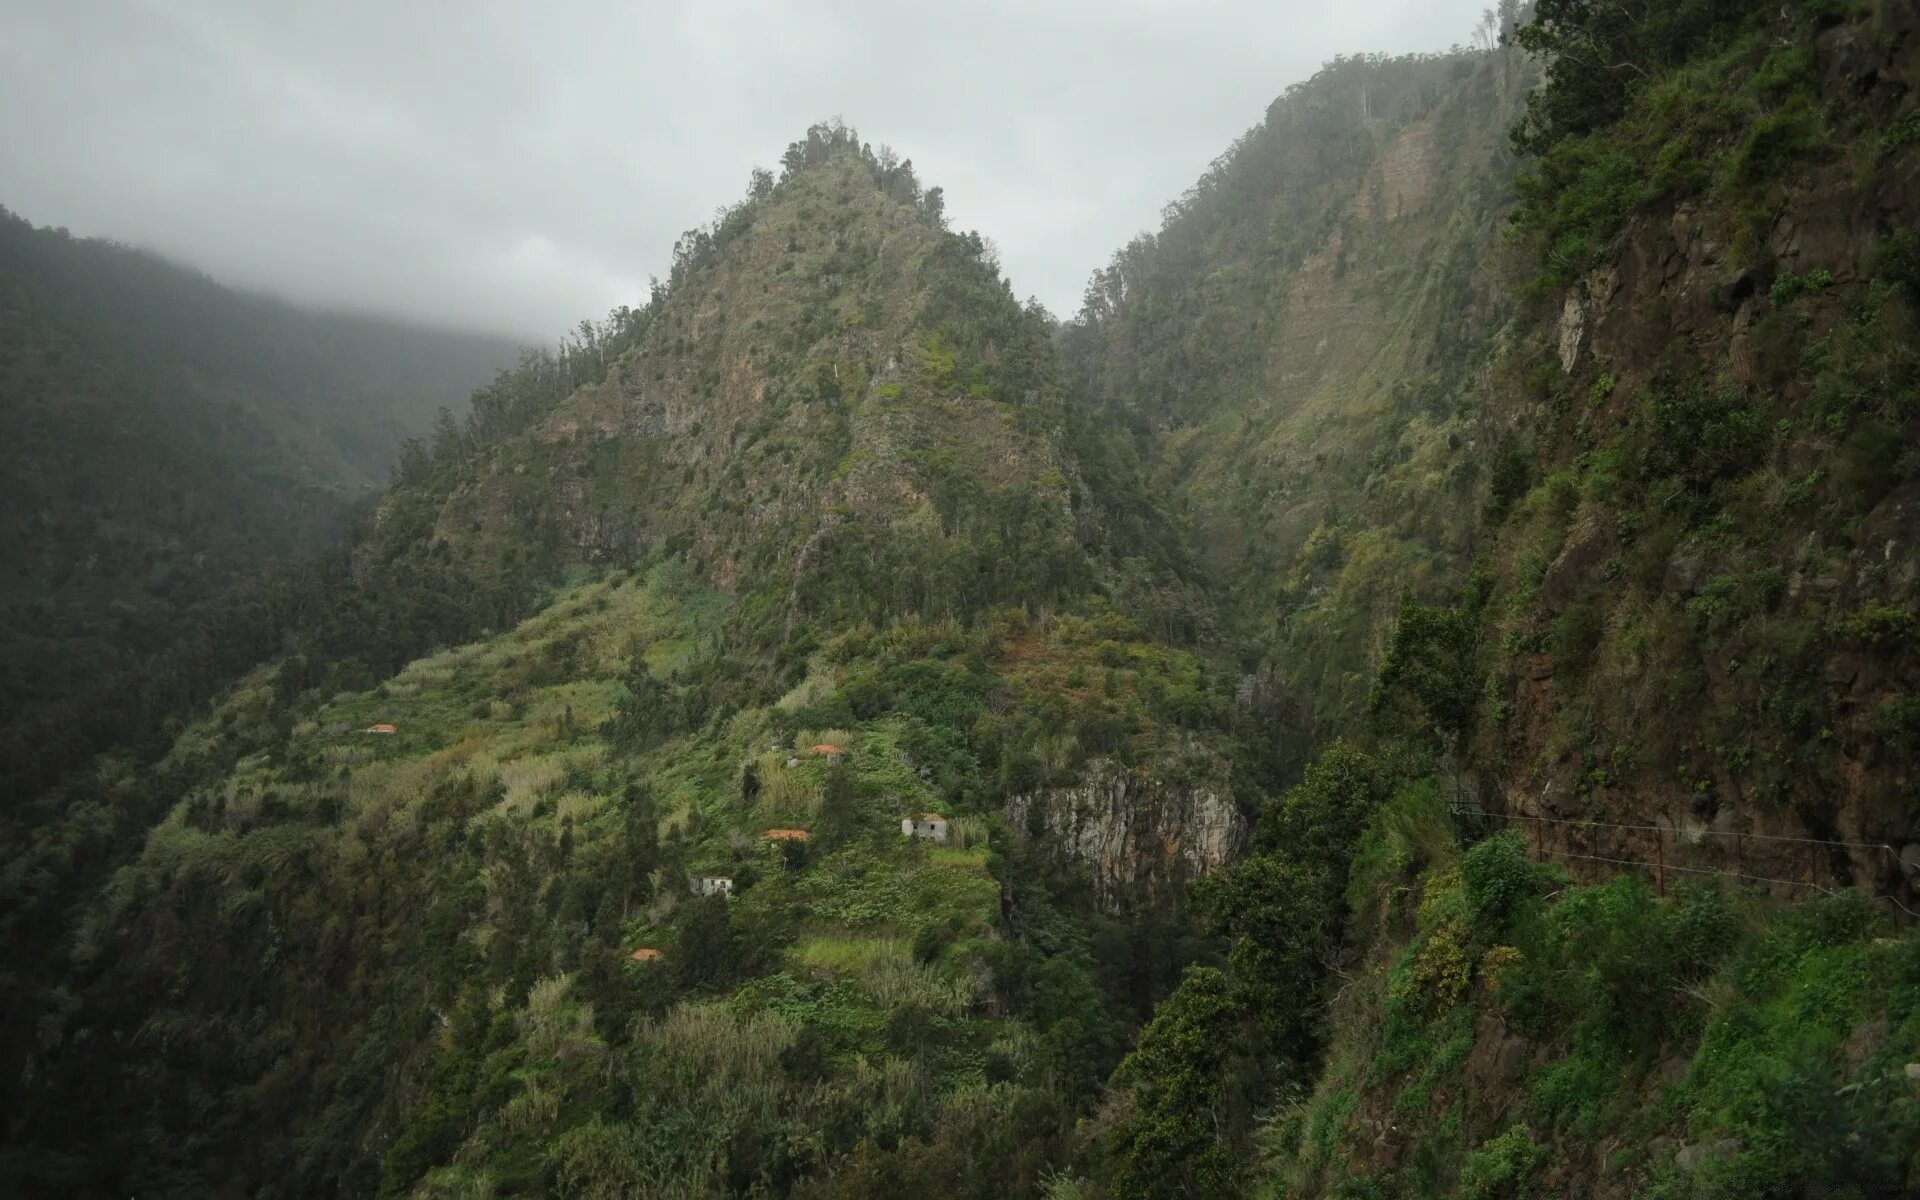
1573	327
1135	831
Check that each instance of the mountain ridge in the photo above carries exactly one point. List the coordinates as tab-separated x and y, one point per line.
487	880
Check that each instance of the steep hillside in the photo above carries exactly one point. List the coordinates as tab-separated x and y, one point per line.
1411	694
1651	394
1300	354
840	410
1694	615
1615	897
1701	594
165	437
806	554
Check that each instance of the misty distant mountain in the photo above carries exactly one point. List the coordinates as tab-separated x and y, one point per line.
162	435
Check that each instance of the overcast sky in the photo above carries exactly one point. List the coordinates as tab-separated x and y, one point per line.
515	165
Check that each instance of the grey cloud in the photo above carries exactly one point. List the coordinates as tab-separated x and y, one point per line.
517	166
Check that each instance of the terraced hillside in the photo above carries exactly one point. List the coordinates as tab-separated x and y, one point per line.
1415	682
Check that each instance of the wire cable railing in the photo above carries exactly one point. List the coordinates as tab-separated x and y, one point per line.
1660	866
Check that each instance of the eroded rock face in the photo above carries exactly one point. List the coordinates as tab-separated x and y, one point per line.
1716	776
1135	832
1573	327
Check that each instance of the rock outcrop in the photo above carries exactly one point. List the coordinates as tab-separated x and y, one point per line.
1135	833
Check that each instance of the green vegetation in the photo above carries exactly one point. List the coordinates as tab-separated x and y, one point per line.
1284	360
1639	626
471	888
1302	647
1503	1168
1169	1144
1681	1039
1666	565
1653	103
166	438
1223	1041
499	856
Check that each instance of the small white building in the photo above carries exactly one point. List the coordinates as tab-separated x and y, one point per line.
712	885
926	825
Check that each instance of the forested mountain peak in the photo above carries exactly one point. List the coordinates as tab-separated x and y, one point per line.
1411	693
718	596
830	386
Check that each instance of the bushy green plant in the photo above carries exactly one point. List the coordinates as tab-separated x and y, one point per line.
1497	879
1430	668
1648	101
1168	1144
1503	1168
1787	287
1897	259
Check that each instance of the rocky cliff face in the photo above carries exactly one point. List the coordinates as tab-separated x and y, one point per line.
1307	340
1686	480
1709	635
1134	832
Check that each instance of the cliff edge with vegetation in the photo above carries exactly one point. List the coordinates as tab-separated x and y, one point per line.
1417	682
